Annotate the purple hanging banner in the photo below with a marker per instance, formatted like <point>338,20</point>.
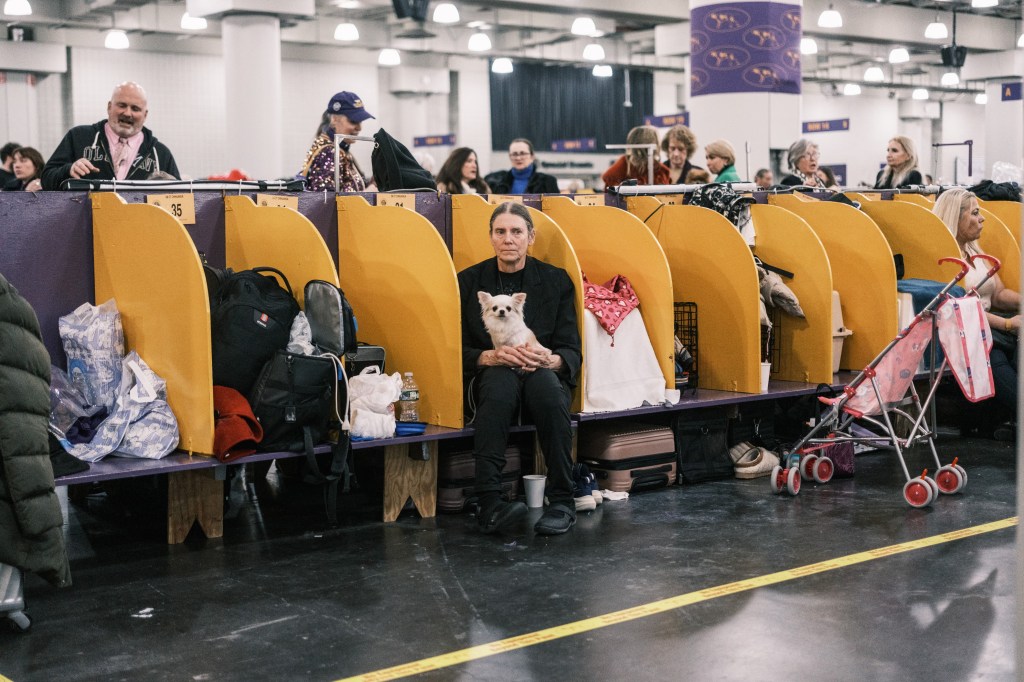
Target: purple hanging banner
<point>745,47</point>
<point>680,119</point>
<point>434,141</point>
<point>835,125</point>
<point>585,144</point>
<point>1010,91</point>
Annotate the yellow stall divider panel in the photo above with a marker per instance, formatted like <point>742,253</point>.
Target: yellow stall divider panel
<point>863,196</point>
<point>277,237</point>
<point>146,261</point>
<point>1007,211</point>
<point>917,234</point>
<point>644,208</point>
<point>863,273</point>
<point>471,244</point>
<point>713,267</point>
<point>918,199</point>
<point>397,273</point>
<point>789,199</point>
<point>609,241</point>
<point>996,239</point>
<point>785,240</point>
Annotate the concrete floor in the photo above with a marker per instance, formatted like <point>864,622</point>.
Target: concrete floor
<point>281,597</point>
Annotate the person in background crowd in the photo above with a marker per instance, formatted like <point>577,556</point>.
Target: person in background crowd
<point>500,380</point>
<point>928,180</point>
<point>722,161</point>
<point>28,165</point>
<point>523,178</point>
<point>900,165</point>
<point>344,115</point>
<point>697,176</point>
<point>119,148</point>
<point>802,160</point>
<point>679,145</point>
<point>959,211</point>
<point>764,178</point>
<point>633,164</point>
<point>460,174</point>
<point>6,159</point>
<point>827,177</point>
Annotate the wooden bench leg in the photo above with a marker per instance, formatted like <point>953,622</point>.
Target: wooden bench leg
<point>405,478</point>
<point>194,496</point>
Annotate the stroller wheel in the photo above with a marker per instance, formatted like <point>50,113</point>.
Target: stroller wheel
<point>963,475</point>
<point>793,481</point>
<point>917,493</point>
<point>949,480</point>
<point>807,467</point>
<point>777,479</point>
<point>933,485</point>
<point>823,470</point>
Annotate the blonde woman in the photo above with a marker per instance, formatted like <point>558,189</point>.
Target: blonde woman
<point>959,211</point>
<point>900,165</point>
<point>721,160</point>
<point>633,164</point>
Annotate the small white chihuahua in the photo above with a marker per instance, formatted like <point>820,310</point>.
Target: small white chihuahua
<point>503,320</point>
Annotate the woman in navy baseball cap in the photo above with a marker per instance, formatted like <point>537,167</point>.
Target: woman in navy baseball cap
<point>344,115</point>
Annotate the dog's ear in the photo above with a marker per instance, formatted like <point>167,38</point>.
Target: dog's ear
<point>483,297</point>
<point>519,299</point>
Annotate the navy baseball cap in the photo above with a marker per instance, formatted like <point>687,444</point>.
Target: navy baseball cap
<point>349,104</point>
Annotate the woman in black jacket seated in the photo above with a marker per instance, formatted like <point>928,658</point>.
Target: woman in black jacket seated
<point>28,166</point>
<point>802,160</point>
<point>523,178</point>
<point>900,165</point>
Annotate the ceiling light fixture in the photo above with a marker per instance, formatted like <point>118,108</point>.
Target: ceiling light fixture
<point>593,52</point>
<point>919,93</point>
<point>446,13</point>
<point>501,65</point>
<point>981,98</point>
<point>950,79</point>
<point>17,8</point>
<point>389,56</point>
<point>583,26</point>
<point>874,74</point>
<point>830,18</point>
<point>851,89</point>
<point>899,55</point>
<point>982,4</point>
<point>479,42</point>
<point>346,32</point>
<point>603,71</point>
<point>936,30</point>
<point>1020,41</point>
<point>808,46</point>
<point>116,40</point>
<point>191,23</point>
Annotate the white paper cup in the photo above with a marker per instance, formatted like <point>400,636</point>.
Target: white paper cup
<point>534,484</point>
<point>766,370</point>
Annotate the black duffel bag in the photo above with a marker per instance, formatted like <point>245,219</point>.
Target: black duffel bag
<point>250,318</point>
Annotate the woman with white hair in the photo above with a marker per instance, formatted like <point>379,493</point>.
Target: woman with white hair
<point>900,165</point>
<point>802,160</point>
<point>959,211</point>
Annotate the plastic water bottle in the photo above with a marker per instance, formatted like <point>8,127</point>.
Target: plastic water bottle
<point>409,402</point>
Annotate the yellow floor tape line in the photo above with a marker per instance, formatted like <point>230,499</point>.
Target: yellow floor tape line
<point>560,631</point>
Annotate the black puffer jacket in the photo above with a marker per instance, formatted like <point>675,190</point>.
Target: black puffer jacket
<point>31,535</point>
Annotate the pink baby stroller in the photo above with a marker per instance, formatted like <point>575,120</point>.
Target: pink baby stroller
<point>876,395</point>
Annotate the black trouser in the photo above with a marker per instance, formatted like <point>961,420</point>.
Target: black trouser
<point>498,393</point>
<point>1004,375</point>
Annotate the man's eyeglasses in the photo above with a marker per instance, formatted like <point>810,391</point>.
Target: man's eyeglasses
<point>519,153</point>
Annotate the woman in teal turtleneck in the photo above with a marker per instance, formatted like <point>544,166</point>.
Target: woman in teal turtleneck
<point>523,178</point>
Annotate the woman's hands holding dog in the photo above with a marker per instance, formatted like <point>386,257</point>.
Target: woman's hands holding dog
<point>522,357</point>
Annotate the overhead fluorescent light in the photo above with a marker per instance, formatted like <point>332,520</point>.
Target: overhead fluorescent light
<point>116,40</point>
<point>981,98</point>
<point>898,55</point>
<point>982,4</point>
<point>919,93</point>
<point>874,74</point>
<point>583,26</point>
<point>389,56</point>
<point>593,52</point>
<point>446,13</point>
<point>479,42</point>
<point>346,31</point>
<point>17,8</point>
<point>1020,40</point>
<point>950,79</point>
<point>851,89</point>
<point>191,23</point>
<point>603,71</point>
<point>808,46</point>
<point>936,30</point>
<point>501,65</point>
<point>830,18</point>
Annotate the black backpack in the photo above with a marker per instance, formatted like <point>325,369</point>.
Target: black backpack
<point>250,318</point>
<point>332,323</point>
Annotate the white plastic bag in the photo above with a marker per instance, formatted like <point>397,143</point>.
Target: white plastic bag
<point>94,343</point>
<point>372,398</point>
<point>67,404</point>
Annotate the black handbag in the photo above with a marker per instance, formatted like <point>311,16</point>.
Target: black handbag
<point>296,400</point>
<point>701,450</point>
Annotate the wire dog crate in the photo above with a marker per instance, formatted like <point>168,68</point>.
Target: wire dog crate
<point>686,345</point>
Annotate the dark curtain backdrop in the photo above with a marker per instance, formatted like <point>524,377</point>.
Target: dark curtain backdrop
<point>545,103</point>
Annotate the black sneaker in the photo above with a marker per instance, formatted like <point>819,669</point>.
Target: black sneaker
<point>501,515</point>
<point>557,519</point>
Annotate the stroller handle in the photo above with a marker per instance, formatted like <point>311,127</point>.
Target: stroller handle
<point>965,267</point>
<point>991,259</point>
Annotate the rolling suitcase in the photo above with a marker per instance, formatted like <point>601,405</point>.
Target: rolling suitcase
<point>629,457</point>
<point>12,603</point>
<point>455,476</point>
